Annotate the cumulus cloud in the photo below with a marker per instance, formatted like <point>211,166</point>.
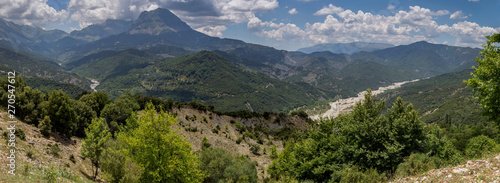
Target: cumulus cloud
<point>204,15</point>
<point>403,27</point>
<point>391,7</point>
<point>293,11</point>
<point>328,10</point>
<point>458,15</point>
<point>474,0</point>
<point>215,31</point>
<point>30,12</point>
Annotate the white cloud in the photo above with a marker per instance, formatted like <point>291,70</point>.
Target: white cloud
<point>458,15</point>
<point>293,11</point>
<point>328,10</point>
<point>474,0</point>
<point>215,31</point>
<point>391,7</point>
<point>30,12</point>
<point>401,28</point>
<point>203,15</point>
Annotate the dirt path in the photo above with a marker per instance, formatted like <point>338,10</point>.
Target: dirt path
<point>345,105</point>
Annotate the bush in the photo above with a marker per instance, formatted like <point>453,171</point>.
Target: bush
<point>479,146</point>
<point>238,141</point>
<point>54,150</point>
<point>354,174</point>
<point>204,143</point>
<point>20,134</point>
<point>417,163</point>
<point>223,166</point>
<point>255,148</point>
<point>46,126</point>
<point>72,158</point>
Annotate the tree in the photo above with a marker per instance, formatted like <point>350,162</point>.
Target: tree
<point>222,166</point>
<point>60,108</point>
<point>96,100</point>
<point>486,78</point>
<point>365,137</point>
<point>46,126</point>
<point>84,117</point>
<point>93,145</point>
<point>155,146</point>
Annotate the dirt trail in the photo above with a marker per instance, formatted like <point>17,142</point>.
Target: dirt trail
<point>345,105</point>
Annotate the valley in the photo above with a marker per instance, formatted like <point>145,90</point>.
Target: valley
<point>156,97</point>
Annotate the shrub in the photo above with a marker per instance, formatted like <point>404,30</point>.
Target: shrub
<point>417,163</point>
<point>255,148</point>
<point>274,153</point>
<point>46,126</point>
<point>238,141</point>
<point>204,143</point>
<point>20,134</point>
<point>354,174</point>
<point>72,158</point>
<point>223,166</point>
<point>54,150</point>
<point>480,146</point>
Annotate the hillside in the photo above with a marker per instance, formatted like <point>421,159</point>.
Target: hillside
<point>37,155</point>
<point>348,48</point>
<point>479,170</point>
<point>29,65</point>
<point>210,79</point>
<point>441,96</point>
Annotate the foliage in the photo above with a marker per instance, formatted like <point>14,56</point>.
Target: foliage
<point>93,144</point>
<point>116,166</point>
<point>205,144</point>
<point>485,78</point>
<point>155,146</point>
<point>223,166</point>
<point>479,146</point>
<point>45,126</point>
<point>60,108</point>
<point>274,153</point>
<point>365,137</point>
<point>84,117</point>
<point>417,163</point>
<point>255,148</point>
<point>96,100</point>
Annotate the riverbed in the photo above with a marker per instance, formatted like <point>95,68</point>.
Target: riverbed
<point>345,105</point>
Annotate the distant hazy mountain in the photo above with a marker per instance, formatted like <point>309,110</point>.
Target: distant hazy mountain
<point>27,38</point>
<point>425,58</point>
<point>98,31</point>
<point>348,48</point>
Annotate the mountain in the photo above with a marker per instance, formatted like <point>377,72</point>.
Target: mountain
<point>32,66</point>
<point>422,57</point>
<point>97,31</point>
<point>152,28</point>
<point>439,96</point>
<point>348,48</point>
<point>204,76</point>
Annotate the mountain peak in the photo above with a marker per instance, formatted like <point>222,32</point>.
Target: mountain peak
<point>157,21</point>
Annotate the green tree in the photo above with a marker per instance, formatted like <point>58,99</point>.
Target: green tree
<point>155,146</point>
<point>365,137</point>
<point>116,166</point>
<point>93,145</point>
<point>222,166</point>
<point>96,100</point>
<point>485,79</point>
<point>60,108</point>
<point>84,117</point>
<point>46,126</point>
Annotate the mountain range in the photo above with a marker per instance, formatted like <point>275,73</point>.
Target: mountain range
<point>348,48</point>
<point>159,54</point>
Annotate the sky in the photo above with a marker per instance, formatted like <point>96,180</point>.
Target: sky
<point>285,24</point>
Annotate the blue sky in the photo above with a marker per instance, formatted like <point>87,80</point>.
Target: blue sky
<point>290,24</point>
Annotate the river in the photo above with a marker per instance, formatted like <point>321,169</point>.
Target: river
<point>344,105</point>
<point>93,84</point>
